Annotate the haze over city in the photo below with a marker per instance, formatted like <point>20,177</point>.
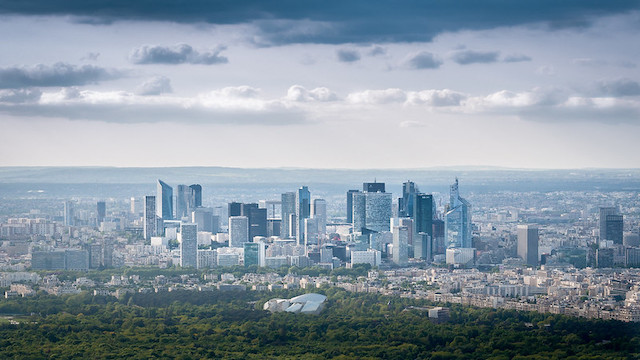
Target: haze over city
<point>534,84</point>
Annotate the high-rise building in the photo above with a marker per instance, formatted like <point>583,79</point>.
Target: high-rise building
<point>69,213</point>
<point>423,213</point>
<point>615,229</point>
<point>205,219</point>
<point>350,205</point>
<point>189,245</point>
<point>359,212</point>
<point>319,212</point>
<point>310,231</point>
<point>254,253</point>
<point>422,246</point>
<point>183,198</point>
<point>135,206</point>
<point>400,245</point>
<point>528,244</point>
<point>102,211</point>
<point>257,220</point>
<point>604,211</point>
<point>150,223</point>
<point>378,208</point>
<point>303,211</point>
<point>235,209</point>
<point>164,207</point>
<point>196,195</point>
<point>407,201</point>
<point>457,221</point>
<point>288,208</point>
<point>238,231</point>
<point>373,187</point>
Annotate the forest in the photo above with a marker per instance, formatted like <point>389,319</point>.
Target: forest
<point>232,325</point>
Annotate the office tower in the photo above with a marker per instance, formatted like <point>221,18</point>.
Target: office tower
<point>134,205</point>
<point>378,208</point>
<point>350,205</point>
<point>150,224</point>
<point>410,225</point>
<point>196,195</point>
<point>614,228</point>
<point>604,211</point>
<point>204,218</point>
<point>183,196</point>
<point>422,246</point>
<point>189,245</point>
<point>102,211</point>
<point>406,202</point>
<point>437,239</point>
<point>293,225</point>
<point>288,208</point>
<point>257,220</point>
<point>373,187</point>
<point>274,208</point>
<point>319,212</point>
<point>359,212</point>
<point>457,221</point>
<point>423,213</point>
<point>528,244</point>
<point>238,230</point>
<point>400,245</point>
<point>274,227</point>
<point>303,211</point>
<point>310,231</point>
<point>164,206</point>
<point>69,214</point>
<point>254,253</point>
<point>235,209</point>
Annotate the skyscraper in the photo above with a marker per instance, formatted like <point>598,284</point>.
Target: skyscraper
<point>400,245</point>
<point>102,211</point>
<point>350,205</point>
<point>457,221</point>
<point>528,244</point>
<point>288,208</point>
<point>150,224</point>
<point>378,210</point>
<point>303,211</point>
<point>183,196</point>
<point>406,202</point>
<point>423,213</point>
<point>611,225</point>
<point>205,219</point>
<point>196,195</point>
<point>164,208</point>
<point>189,245</point>
<point>69,213</point>
<point>238,230</point>
<point>373,187</point>
<point>359,212</point>
<point>257,220</point>
<point>319,212</point>
<point>235,209</point>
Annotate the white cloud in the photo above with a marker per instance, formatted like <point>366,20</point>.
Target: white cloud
<point>378,96</point>
<point>301,94</point>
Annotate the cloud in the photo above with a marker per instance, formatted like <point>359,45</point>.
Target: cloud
<point>589,62</point>
<point>377,50</point>
<point>19,96</point>
<point>466,57</point>
<point>436,98</point>
<point>91,56</point>
<point>346,55</point>
<point>155,86</point>
<point>375,97</point>
<point>234,105</point>
<point>337,21</point>
<point>177,54</point>
<point>618,87</point>
<point>59,74</point>
<point>516,58</point>
<point>301,94</point>
<point>423,60</point>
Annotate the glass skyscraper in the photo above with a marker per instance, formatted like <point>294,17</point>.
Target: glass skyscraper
<point>303,211</point>
<point>457,220</point>
<point>164,195</point>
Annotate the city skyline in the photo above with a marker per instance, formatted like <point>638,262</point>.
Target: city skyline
<point>476,84</point>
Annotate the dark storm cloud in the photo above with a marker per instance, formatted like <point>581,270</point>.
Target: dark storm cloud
<point>59,74</point>
<point>346,55</point>
<point>466,57</point>
<point>357,21</point>
<point>423,60</point>
<point>177,54</point>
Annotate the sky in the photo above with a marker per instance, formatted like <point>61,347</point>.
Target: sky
<point>320,84</point>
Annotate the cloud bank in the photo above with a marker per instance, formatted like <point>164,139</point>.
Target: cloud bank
<point>177,54</point>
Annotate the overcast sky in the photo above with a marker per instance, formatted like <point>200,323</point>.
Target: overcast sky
<point>322,84</point>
